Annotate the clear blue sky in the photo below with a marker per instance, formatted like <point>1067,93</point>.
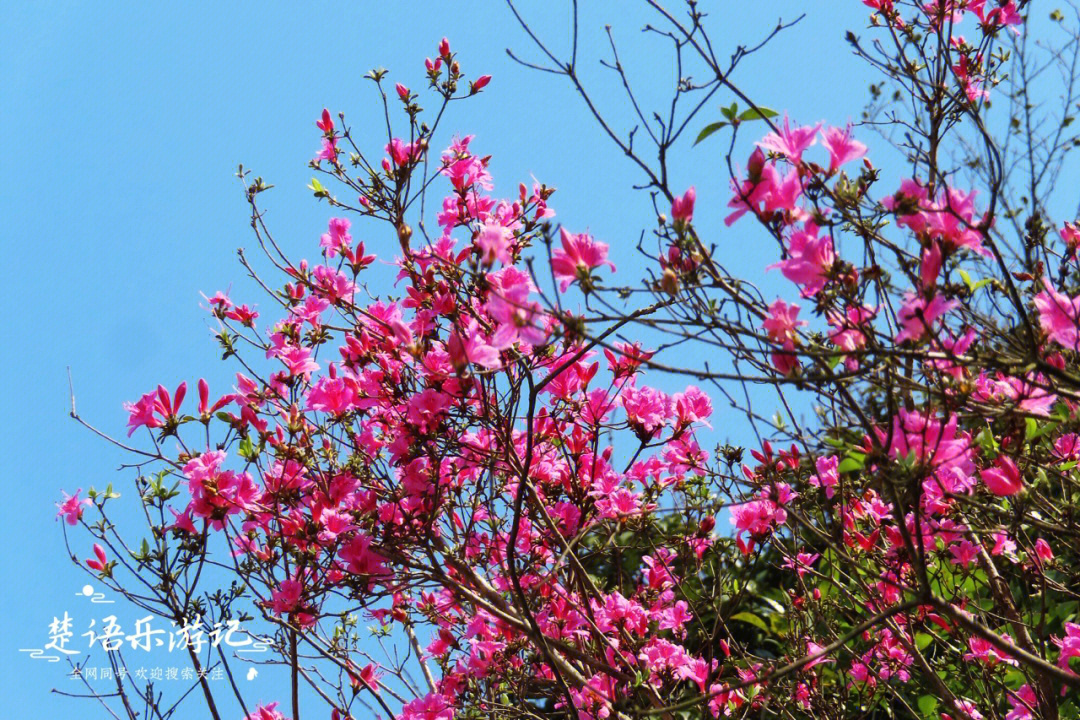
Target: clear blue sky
<point>121,126</point>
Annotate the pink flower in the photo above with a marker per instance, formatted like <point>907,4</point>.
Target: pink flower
<point>692,405</point>
<point>298,359</point>
<point>1059,316</point>
<point>334,395</point>
<point>1067,447</point>
<point>790,143</point>
<point>758,518</point>
<point>1005,15</point>
<point>266,712</point>
<point>983,651</point>
<point>812,649</point>
<point>1070,233</point>
<point>1027,396</point>
<point>809,258</point>
<point>934,444</point>
<point>287,597</point>
<point>469,345</point>
<point>918,315</point>
<point>827,475</point>
<point>682,208</point>
<point>328,151</point>
<point>1003,545</point>
<point>337,238</point>
<point>782,323</point>
<point>848,328</point>
<point>403,153</point>
<point>360,559</point>
<point>801,563</point>
<point>72,508</point>
<point>1023,702</point>
<point>430,707</point>
<point>647,409</point>
<point>577,257</point>
<point>786,359</point>
<point>841,146</point>
<point>1070,644</point>
<point>141,413</point>
<point>495,241</point>
<point>618,504</point>
<point>963,552</point>
<point>509,306</point>
<point>1004,478</point>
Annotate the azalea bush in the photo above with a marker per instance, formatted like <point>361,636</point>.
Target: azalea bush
<point>491,467</point>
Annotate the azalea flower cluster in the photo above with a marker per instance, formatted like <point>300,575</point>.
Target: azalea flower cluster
<point>505,486</point>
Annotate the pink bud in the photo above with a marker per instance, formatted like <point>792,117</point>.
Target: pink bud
<point>402,91</point>
<point>178,397</point>
<point>1004,478</point>
<point>164,403</point>
<point>682,208</point>
<point>326,124</point>
<point>1043,551</point>
<point>444,48</point>
<point>204,395</point>
<point>755,165</point>
<point>931,265</point>
<point>101,561</point>
<point>481,83</point>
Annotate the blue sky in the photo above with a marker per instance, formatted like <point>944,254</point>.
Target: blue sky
<point>121,127</point>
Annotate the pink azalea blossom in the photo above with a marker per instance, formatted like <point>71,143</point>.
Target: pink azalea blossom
<point>1059,316</point>
<point>782,323</point>
<point>919,315</point>
<point>841,146</point>
<point>809,258</point>
<point>1023,701</point>
<point>72,507</point>
<point>337,238</point>
<point>577,258</point>
<point>1070,644</point>
<point>266,712</point>
<point>791,143</point>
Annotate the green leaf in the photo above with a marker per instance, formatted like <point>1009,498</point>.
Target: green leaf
<point>1046,427</point>
<point>853,462</point>
<point>731,113</point>
<point>1031,428</point>
<point>758,113</point>
<point>317,187</point>
<point>927,705</point>
<point>751,619</point>
<point>967,280</point>
<point>972,285</point>
<point>922,640</point>
<point>709,130</point>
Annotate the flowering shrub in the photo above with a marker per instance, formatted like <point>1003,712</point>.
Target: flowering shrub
<point>505,486</point>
